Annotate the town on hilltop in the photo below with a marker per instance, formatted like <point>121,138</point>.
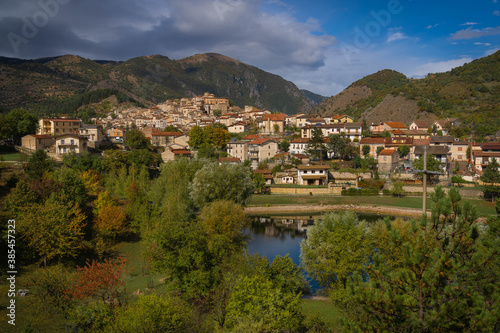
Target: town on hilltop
<point>269,140</point>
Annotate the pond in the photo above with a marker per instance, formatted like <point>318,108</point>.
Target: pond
<point>280,235</point>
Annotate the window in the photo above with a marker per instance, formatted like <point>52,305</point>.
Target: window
<point>72,141</point>
<point>460,148</point>
<point>62,141</point>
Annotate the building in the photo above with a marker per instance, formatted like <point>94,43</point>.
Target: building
<point>374,144</point>
<point>37,141</point>
<point>116,134</point>
<point>298,146</point>
<point>312,174</point>
<point>56,127</point>
<point>70,143</point>
<point>239,127</point>
<point>419,125</point>
<point>459,151</point>
<point>388,160</point>
<point>261,149</point>
<point>238,149</point>
<point>93,133</point>
<point>273,123</point>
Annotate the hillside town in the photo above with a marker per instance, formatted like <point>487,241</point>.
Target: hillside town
<point>266,139</point>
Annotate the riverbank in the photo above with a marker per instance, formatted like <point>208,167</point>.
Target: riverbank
<point>373,209</point>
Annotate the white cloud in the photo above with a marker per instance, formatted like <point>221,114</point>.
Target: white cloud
<point>490,52</point>
<point>430,26</point>
<point>496,13</point>
<point>469,23</point>
<point>438,67</point>
<point>475,33</point>
<point>395,34</point>
<point>484,44</point>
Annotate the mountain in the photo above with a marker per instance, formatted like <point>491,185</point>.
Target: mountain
<point>57,84</point>
<point>314,98</point>
<point>470,92</point>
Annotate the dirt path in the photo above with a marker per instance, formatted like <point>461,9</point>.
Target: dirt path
<point>375,209</point>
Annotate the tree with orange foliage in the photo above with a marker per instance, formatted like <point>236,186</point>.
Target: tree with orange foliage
<point>109,221</point>
<point>101,281</point>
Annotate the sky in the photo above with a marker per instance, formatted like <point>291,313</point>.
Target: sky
<point>322,46</point>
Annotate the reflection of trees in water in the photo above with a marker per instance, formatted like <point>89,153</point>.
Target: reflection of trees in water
<point>281,226</point>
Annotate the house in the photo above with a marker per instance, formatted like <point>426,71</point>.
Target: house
<point>442,140</point>
<point>273,123</point>
<point>261,149</point>
<point>341,119</point>
<point>55,127</point>
<point>304,159</point>
<point>441,153</point>
<point>374,144</point>
<point>312,174</point>
<point>171,154</point>
<point>238,149</point>
<point>416,134</point>
<point>93,133</point>
<point>268,175</point>
<point>394,125</point>
<point>388,160</point>
<point>419,125</point>
<point>116,134</point>
<point>239,127</point>
<point>37,141</point>
<point>164,139</point>
<point>351,131</point>
<point>298,146</point>
<point>459,151</point>
<point>68,143</point>
<point>482,159</point>
<point>417,143</point>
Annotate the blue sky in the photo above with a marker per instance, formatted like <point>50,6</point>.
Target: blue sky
<point>322,46</point>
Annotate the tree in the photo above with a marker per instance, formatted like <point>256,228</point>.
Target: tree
<point>379,149</point>
<point>136,140</point>
<point>52,230</point>
<point>259,182</point>
<point>196,136</point>
<point>226,181</point>
<point>109,222</point>
<point>366,150</point>
<point>315,147</point>
<point>101,281</point>
<point>397,188</point>
<point>336,247</point>
<point>153,313</point>
<point>337,145</point>
<point>142,157</point>
<point>432,165</point>
<point>207,151</point>
<point>491,177</point>
<point>284,145</point>
<point>403,150</point>
<point>82,162</point>
<point>446,280</point>
<point>38,164</point>
<point>21,123</point>
<point>385,134</point>
<point>172,128</point>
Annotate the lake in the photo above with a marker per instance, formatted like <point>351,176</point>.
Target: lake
<point>279,235</point>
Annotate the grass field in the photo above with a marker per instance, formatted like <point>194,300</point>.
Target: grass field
<point>484,208</point>
<point>324,309</point>
<point>13,157</point>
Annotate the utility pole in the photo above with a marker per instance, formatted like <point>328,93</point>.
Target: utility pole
<point>424,195</point>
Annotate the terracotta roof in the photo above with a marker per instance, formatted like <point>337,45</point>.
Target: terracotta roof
<point>300,140</point>
<point>313,167</point>
<point>387,152</point>
<point>421,142</point>
<point>442,139</point>
<point>433,150</point>
<point>421,123</point>
<point>40,136</point>
<point>398,131</point>
<point>181,151</point>
<point>371,141</point>
<point>167,134</point>
<point>486,154</point>
<point>64,119</point>
<point>395,124</point>
<point>300,156</point>
<point>229,159</point>
<point>252,137</point>
<point>260,141</point>
<point>275,117</point>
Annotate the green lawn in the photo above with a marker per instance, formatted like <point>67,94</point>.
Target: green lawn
<point>18,157</point>
<point>484,208</point>
<point>324,309</point>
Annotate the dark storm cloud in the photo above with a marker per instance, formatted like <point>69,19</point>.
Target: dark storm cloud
<point>120,30</point>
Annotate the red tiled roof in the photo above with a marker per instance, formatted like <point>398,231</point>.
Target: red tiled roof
<point>275,117</point>
<point>372,141</point>
<point>260,141</point>
<point>421,123</point>
<point>395,124</point>
<point>300,140</point>
<point>300,156</point>
<point>64,119</point>
<point>41,136</point>
<point>387,152</point>
<point>251,137</point>
<point>181,151</point>
<point>167,133</point>
<point>421,142</point>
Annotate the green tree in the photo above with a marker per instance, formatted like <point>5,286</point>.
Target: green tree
<point>336,247</point>
<point>385,134</point>
<point>446,280</point>
<point>365,149</point>
<point>82,162</point>
<point>226,181</point>
<point>403,151</point>
<point>196,137</point>
<point>207,151</point>
<point>52,230</point>
<point>136,140</point>
<point>432,165</point>
<point>491,176</point>
<point>337,145</point>
<point>172,128</point>
<point>21,123</point>
<point>38,164</point>
<point>259,182</point>
<point>284,145</point>
<point>315,147</point>
<point>397,189</point>
<point>379,149</point>
<point>153,313</point>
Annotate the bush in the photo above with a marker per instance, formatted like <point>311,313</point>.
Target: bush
<point>386,192</point>
<point>371,184</point>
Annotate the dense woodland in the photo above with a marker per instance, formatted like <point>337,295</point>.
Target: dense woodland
<point>434,274</point>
